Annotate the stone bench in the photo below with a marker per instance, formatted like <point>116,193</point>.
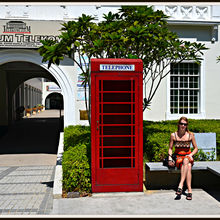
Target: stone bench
<point>205,174</point>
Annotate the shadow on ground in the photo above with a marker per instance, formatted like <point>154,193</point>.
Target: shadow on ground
<point>33,135</point>
<point>214,192</point>
<point>48,184</point>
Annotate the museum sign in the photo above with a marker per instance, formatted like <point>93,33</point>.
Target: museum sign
<point>26,33</point>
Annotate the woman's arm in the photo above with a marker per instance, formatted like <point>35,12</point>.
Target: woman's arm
<point>170,151</point>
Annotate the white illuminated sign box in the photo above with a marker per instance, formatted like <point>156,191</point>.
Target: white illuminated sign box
<point>116,67</point>
<point>53,88</point>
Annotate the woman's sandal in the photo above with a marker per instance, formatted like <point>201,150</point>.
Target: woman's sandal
<point>189,196</point>
<point>179,191</point>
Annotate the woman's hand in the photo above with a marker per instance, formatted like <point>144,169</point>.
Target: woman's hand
<point>190,157</point>
<point>171,163</point>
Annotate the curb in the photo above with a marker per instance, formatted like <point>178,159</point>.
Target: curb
<point>57,188</point>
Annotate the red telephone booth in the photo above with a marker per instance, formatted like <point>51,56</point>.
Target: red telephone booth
<point>117,125</point>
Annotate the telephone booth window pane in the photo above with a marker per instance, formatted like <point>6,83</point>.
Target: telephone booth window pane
<point>117,119</point>
<point>117,108</point>
<point>117,130</point>
<point>117,97</point>
<point>100,141</point>
<point>116,163</point>
<point>116,152</point>
<point>116,85</point>
<point>117,141</point>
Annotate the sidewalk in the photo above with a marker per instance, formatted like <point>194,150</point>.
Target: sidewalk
<point>155,203</point>
<point>26,190</point>
<point>52,113</point>
<point>27,165</point>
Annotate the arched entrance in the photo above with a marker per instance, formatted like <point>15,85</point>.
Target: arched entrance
<point>61,77</point>
<point>54,101</point>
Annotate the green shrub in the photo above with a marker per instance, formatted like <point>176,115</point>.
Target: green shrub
<point>156,139</point>
<point>76,169</point>
<point>157,135</point>
<point>202,156</point>
<point>77,159</point>
<point>74,135</point>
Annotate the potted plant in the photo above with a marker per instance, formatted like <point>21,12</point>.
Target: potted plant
<point>39,108</point>
<point>35,110</point>
<point>28,111</point>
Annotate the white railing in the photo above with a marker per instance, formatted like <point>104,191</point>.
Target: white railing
<point>191,12</point>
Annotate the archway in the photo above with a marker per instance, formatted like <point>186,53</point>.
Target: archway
<point>54,101</point>
<point>62,79</point>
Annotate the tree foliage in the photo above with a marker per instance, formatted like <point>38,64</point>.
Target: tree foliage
<point>132,32</point>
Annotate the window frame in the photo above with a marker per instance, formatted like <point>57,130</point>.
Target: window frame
<point>201,110</point>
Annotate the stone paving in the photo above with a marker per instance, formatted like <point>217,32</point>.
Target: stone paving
<point>27,165</point>
<point>26,190</point>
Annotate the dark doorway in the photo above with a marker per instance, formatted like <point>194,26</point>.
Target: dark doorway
<point>34,134</point>
<point>54,101</point>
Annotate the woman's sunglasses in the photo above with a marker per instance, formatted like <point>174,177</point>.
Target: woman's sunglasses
<point>185,124</point>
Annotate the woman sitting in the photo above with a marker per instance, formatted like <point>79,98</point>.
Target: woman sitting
<point>184,157</point>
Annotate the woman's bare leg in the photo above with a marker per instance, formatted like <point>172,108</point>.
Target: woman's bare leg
<point>184,171</point>
<point>189,178</point>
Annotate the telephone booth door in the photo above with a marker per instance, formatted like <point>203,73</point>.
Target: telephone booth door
<point>117,126</point>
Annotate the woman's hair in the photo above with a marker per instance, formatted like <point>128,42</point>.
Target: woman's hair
<point>185,119</point>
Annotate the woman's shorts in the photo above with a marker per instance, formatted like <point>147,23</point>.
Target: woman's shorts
<point>180,158</point>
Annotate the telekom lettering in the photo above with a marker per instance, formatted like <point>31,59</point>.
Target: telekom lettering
<point>118,67</point>
<point>27,34</point>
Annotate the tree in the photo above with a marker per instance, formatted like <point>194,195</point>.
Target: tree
<point>132,32</point>
<point>76,42</point>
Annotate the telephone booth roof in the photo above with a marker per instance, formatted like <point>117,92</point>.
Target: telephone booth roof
<point>95,64</point>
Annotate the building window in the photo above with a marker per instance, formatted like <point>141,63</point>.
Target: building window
<point>185,88</point>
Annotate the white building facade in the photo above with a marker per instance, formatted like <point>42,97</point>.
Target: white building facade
<point>189,90</point>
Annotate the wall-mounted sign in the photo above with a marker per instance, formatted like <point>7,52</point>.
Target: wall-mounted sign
<point>80,87</point>
<point>53,88</point>
<point>27,34</point>
<point>116,67</point>
<point>81,92</point>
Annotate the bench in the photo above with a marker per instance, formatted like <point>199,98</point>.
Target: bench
<point>204,174</point>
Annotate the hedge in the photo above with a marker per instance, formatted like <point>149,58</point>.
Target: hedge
<point>157,136</point>
<point>76,161</point>
<point>76,169</point>
<point>77,134</point>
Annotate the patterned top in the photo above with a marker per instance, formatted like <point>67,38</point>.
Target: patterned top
<point>182,147</point>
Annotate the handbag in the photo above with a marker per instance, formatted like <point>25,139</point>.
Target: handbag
<point>166,160</point>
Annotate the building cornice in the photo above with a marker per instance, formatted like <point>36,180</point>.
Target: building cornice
<point>193,22</point>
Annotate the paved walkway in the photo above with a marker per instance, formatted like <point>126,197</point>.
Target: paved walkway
<point>52,113</point>
<point>27,164</point>
<point>26,190</point>
<point>152,203</point>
